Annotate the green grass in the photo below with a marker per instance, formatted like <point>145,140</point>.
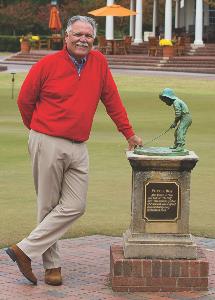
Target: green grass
<point>108,209</point>
<point>5,53</point>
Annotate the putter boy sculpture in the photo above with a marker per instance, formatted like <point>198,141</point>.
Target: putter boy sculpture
<point>158,242</point>
<point>182,117</point>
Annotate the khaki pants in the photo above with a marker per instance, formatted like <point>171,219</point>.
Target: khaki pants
<point>60,171</point>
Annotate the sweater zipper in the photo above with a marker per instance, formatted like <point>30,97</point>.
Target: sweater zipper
<point>75,69</point>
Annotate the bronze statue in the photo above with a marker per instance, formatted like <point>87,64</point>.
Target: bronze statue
<point>182,120</point>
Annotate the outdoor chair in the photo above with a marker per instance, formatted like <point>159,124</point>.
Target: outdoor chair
<point>180,46</point>
<point>56,41</point>
<point>153,46</point>
<point>44,44</point>
<point>120,47</point>
<point>35,45</point>
<point>127,41</point>
<point>104,46</point>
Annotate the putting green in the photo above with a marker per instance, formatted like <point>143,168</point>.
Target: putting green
<point>108,208</point>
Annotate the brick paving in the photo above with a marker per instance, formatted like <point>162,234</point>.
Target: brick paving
<point>85,270</point>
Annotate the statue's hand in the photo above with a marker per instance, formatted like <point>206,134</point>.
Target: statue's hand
<point>134,141</point>
<point>173,125</point>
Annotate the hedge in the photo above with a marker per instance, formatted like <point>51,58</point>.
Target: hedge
<point>9,43</point>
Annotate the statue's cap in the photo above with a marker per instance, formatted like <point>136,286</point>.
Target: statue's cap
<point>167,92</point>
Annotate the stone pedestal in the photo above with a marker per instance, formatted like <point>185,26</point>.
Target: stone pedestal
<point>160,207</point>
<point>159,231</point>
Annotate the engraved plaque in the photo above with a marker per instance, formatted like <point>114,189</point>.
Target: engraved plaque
<point>162,201</point>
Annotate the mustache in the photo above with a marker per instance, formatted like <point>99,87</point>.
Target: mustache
<point>81,44</point>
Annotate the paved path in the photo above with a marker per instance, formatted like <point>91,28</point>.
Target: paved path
<point>162,73</point>
<point>85,269</point>
<point>25,68</point>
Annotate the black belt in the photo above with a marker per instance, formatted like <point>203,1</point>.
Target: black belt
<point>76,142</point>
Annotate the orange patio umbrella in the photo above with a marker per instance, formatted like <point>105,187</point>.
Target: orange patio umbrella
<point>112,10</point>
<point>54,20</point>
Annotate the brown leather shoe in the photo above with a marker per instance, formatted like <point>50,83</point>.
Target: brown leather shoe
<point>23,262</point>
<point>53,276</point>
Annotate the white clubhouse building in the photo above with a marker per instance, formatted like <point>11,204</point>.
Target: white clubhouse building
<point>190,15</point>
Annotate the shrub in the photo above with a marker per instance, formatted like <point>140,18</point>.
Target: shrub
<point>9,43</point>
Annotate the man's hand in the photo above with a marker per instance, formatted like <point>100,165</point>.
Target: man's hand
<point>134,141</point>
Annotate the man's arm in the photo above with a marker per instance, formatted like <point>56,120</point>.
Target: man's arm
<point>115,109</point>
<point>29,94</point>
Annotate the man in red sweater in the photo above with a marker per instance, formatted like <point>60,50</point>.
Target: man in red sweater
<point>57,102</point>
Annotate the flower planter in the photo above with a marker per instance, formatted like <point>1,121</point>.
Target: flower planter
<point>25,47</point>
<point>168,51</point>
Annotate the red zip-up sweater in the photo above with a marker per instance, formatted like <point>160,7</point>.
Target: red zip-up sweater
<point>56,101</point>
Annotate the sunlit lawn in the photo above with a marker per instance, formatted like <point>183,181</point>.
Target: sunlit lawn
<point>108,210</point>
<point>5,53</point>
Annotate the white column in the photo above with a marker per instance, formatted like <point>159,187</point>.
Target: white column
<point>168,20</point>
<point>177,9</point>
<point>109,24</point>
<point>132,19</point>
<point>139,21</point>
<point>199,23</point>
<point>154,22</point>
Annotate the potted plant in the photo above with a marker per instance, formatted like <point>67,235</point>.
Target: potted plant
<point>25,43</point>
<point>167,45</point>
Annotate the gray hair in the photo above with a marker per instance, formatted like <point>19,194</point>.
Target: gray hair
<point>84,19</point>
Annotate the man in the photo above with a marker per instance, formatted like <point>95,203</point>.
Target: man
<point>57,101</point>
<point>183,118</point>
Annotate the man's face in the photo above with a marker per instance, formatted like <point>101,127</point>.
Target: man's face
<point>79,40</point>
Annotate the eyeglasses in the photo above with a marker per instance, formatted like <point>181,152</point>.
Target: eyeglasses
<point>79,35</point>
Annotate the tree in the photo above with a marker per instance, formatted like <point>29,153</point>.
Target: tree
<point>23,16</point>
<point>16,16</point>
<point>210,2</point>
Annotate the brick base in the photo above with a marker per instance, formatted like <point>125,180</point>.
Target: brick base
<point>145,275</point>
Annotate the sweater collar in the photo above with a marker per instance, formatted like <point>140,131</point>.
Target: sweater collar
<point>78,62</point>
<point>71,57</point>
